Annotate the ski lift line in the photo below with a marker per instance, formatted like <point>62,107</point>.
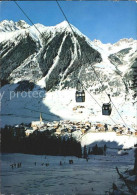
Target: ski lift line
<point>65,17</point>
<point>69,26</point>
<point>89,61</point>
<point>73,33</point>
<point>41,35</point>
<point>96,101</point>
<point>27,17</point>
<point>119,114</point>
<point>90,94</point>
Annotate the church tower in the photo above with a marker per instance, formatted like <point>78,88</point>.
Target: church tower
<point>40,118</point>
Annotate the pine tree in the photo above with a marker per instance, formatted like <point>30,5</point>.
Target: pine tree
<point>89,151</point>
<point>95,149</point>
<point>85,154</point>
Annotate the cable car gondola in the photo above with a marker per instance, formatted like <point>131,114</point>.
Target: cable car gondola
<point>80,96</point>
<point>80,93</point>
<point>106,108</point>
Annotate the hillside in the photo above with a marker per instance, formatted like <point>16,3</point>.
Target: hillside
<point>52,62</point>
<point>59,57</point>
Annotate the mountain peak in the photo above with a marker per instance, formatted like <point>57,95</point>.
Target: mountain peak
<point>22,24</point>
<point>63,24</point>
<point>97,41</point>
<point>124,41</point>
<point>9,25</point>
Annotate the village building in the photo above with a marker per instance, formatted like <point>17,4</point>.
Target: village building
<point>93,128</point>
<point>58,131</point>
<point>119,132</point>
<point>110,128</point>
<point>62,127</point>
<point>37,124</point>
<point>56,125</point>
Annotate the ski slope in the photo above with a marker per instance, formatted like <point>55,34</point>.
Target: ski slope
<point>93,177</point>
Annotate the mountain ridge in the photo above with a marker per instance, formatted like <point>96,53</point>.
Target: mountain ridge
<point>62,24</point>
<point>59,57</point>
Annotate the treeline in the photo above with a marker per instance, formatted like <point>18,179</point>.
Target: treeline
<point>38,143</point>
<point>95,150</point>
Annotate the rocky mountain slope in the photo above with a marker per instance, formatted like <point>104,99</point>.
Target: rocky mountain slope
<point>56,58</point>
<point>51,62</point>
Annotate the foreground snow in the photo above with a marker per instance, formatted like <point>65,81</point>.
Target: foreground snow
<point>93,177</point>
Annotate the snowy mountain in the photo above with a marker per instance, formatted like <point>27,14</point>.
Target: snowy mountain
<point>59,57</point>
<point>53,59</point>
<point>9,26</point>
<point>54,55</point>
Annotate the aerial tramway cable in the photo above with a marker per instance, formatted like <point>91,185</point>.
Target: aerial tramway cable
<point>27,16</point>
<point>42,34</point>
<point>89,61</point>
<point>86,56</point>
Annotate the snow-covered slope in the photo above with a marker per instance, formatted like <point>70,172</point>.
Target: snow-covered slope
<point>10,26</point>
<point>25,106</point>
<point>51,62</point>
<point>54,54</point>
<point>58,57</point>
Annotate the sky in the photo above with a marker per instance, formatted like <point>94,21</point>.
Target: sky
<point>107,21</point>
